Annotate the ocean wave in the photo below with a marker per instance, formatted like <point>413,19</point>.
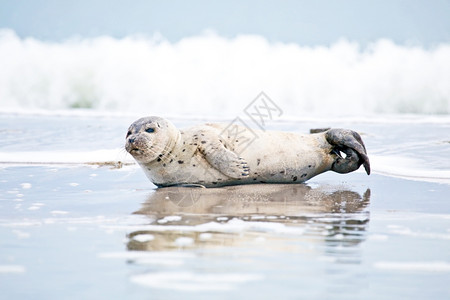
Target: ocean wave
<point>213,75</point>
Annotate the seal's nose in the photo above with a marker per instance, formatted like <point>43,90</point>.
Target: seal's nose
<point>131,140</point>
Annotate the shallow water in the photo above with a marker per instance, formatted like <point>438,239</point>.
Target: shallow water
<point>77,231</point>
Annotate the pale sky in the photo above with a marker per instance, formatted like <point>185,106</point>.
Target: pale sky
<point>318,22</point>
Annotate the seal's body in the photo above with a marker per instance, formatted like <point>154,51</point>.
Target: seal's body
<point>212,155</point>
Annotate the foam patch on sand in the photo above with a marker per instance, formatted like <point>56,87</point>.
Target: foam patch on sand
<point>102,156</point>
<point>407,168</point>
<point>232,226</point>
<point>433,266</point>
<point>150,258</point>
<point>119,222</point>
<point>12,269</point>
<point>189,281</point>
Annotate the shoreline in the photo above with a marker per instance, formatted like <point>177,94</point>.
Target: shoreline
<point>413,150</point>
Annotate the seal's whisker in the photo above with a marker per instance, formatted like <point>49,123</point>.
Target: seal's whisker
<point>122,154</point>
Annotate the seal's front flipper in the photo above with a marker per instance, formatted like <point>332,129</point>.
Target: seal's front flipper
<point>190,185</point>
<point>224,160</point>
<point>350,143</point>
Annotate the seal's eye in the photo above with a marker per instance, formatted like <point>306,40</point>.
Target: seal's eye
<point>150,130</point>
<point>128,133</point>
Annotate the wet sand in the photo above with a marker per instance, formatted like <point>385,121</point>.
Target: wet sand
<point>75,227</point>
<point>100,232</point>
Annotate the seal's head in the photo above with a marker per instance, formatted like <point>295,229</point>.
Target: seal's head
<point>150,138</point>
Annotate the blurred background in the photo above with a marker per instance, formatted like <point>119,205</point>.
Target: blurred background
<point>212,58</point>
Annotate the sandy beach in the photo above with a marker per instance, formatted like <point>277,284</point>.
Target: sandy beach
<point>72,225</point>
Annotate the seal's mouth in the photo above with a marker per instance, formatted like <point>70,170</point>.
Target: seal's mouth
<point>135,151</point>
<point>132,148</point>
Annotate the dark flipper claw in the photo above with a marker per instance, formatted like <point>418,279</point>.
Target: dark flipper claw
<point>351,144</point>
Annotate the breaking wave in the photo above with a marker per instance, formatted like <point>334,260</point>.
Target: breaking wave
<point>213,75</point>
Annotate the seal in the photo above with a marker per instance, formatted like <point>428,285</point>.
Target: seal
<point>208,155</point>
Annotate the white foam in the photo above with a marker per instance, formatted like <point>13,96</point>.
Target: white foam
<point>205,236</point>
<point>377,237</point>
<point>144,238</point>
<point>21,234</point>
<point>184,241</point>
<point>407,168</point>
<point>188,281</point>
<point>232,226</point>
<point>418,234</point>
<point>432,266</point>
<point>63,157</point>
<point>212,75</point>
<point>34,207</point>
<point>151,258</point>
<point>12,269</point>
<point>130,255</point>
<point>25,185</point>
<point>59,212</point>
<point>410,216</point>
<point>172,218</point>
<point>119,222</point>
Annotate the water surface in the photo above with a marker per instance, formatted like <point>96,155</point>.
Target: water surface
<point>73,230</point>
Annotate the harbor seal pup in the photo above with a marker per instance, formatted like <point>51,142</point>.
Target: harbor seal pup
<point>207,155</point>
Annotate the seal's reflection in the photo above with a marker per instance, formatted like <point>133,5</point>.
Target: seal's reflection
<point>178,214</point>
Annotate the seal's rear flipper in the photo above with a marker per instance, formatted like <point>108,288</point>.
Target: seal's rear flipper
<point>351,144</point>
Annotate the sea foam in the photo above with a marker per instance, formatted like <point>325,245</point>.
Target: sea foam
<point>213,75</point>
